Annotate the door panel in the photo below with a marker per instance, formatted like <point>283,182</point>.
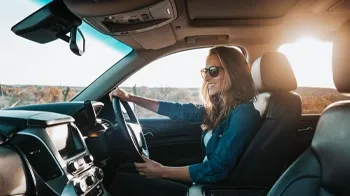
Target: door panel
<point>172,143</point>
<point>306,130</point>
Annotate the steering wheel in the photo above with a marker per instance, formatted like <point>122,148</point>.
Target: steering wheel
<point>130,132</point>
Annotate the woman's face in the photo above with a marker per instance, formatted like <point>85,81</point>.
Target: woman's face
<point>215,79</point>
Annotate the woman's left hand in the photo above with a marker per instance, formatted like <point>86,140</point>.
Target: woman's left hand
<point>150,168</point>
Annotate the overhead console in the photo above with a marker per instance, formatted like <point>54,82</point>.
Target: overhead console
<point>120,17</point>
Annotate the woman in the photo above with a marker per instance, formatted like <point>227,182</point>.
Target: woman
<point>229,121</point>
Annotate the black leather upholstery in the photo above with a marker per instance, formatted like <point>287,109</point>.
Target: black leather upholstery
<point>324,169</point>
<point>270,151</point>
<point>331,143</point>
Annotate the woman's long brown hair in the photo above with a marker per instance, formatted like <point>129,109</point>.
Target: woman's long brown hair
<point>237,87</point>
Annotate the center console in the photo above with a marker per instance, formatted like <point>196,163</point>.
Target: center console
<point>55,153</point>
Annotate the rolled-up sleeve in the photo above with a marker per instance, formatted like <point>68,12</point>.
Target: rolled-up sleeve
<point>244,121</point>
<point>187,112</point>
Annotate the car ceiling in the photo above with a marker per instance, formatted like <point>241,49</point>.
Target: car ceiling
<point>237,22</point>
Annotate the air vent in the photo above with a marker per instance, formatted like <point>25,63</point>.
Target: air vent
<point>40,159</point>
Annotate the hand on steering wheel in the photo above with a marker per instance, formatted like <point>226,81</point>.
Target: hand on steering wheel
<point>129,132</point>
<point>122,94</point>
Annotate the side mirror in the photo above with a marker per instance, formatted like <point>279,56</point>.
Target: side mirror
<point>77,41</point>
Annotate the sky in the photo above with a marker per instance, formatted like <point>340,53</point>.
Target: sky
<point>26,62</point>
<point>311,61</point>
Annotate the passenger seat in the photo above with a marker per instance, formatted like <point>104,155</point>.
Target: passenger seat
<point>324,168</point>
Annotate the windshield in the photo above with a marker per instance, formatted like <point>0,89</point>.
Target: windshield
<point>44,73</point>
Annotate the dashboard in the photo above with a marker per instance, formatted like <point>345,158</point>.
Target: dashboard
<point>50,143</point>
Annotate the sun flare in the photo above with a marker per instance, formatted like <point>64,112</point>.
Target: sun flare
<point>311,61</point>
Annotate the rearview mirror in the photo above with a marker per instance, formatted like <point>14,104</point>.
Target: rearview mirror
<point>77,41</point>
<point>51,22</point>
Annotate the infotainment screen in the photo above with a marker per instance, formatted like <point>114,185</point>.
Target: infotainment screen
<point>65,140</point>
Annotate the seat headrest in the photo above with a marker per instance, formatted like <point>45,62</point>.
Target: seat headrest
<point>273,73</point>
<point>331,143</point>
<point>341,59</point>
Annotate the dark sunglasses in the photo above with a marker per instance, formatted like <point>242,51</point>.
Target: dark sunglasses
<point>213,71</point>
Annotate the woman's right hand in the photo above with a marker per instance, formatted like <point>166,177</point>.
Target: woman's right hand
<point>122,94</point>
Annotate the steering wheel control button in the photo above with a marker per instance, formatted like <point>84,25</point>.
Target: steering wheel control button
<point>88,159</point>
<point>73,166</point>
<point>99,174</point>
<point>90,180</point>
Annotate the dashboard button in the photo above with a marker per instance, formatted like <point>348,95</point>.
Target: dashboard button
<point>89,180</point>
<point>88,159</point>
<point>73,166</point>
<point>80,187</point>
<point>99,174</point>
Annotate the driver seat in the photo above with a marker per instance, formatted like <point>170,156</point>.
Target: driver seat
<point>324,168</point>
<point>270,151</point>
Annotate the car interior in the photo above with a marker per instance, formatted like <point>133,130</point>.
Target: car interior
<point>280,111</point>
<point>75,147</point>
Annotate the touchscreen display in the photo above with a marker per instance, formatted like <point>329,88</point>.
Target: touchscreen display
<point>65,141</point>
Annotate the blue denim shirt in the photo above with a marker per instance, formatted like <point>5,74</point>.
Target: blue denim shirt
<point>227,143</point>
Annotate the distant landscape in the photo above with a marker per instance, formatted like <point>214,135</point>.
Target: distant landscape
<point>315,100</point>
<point>18,95</point>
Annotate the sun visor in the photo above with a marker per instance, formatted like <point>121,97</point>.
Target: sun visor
<point>238,9</point>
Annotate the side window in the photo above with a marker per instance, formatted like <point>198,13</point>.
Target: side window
<point>172,78</point>
<point>311,61</point>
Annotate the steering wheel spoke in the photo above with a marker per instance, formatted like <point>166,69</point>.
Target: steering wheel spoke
<point>130,132</point>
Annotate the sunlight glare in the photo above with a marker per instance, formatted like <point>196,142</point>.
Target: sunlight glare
<point>311,61</point>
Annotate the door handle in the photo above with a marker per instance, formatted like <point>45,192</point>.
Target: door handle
<point>306,129</point>
<point>148,134</point>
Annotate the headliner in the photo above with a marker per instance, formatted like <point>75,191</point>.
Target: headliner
<point>258,23</point>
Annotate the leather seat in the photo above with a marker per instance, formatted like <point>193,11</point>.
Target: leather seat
<point>324,168</point>
<point>269,153</point>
